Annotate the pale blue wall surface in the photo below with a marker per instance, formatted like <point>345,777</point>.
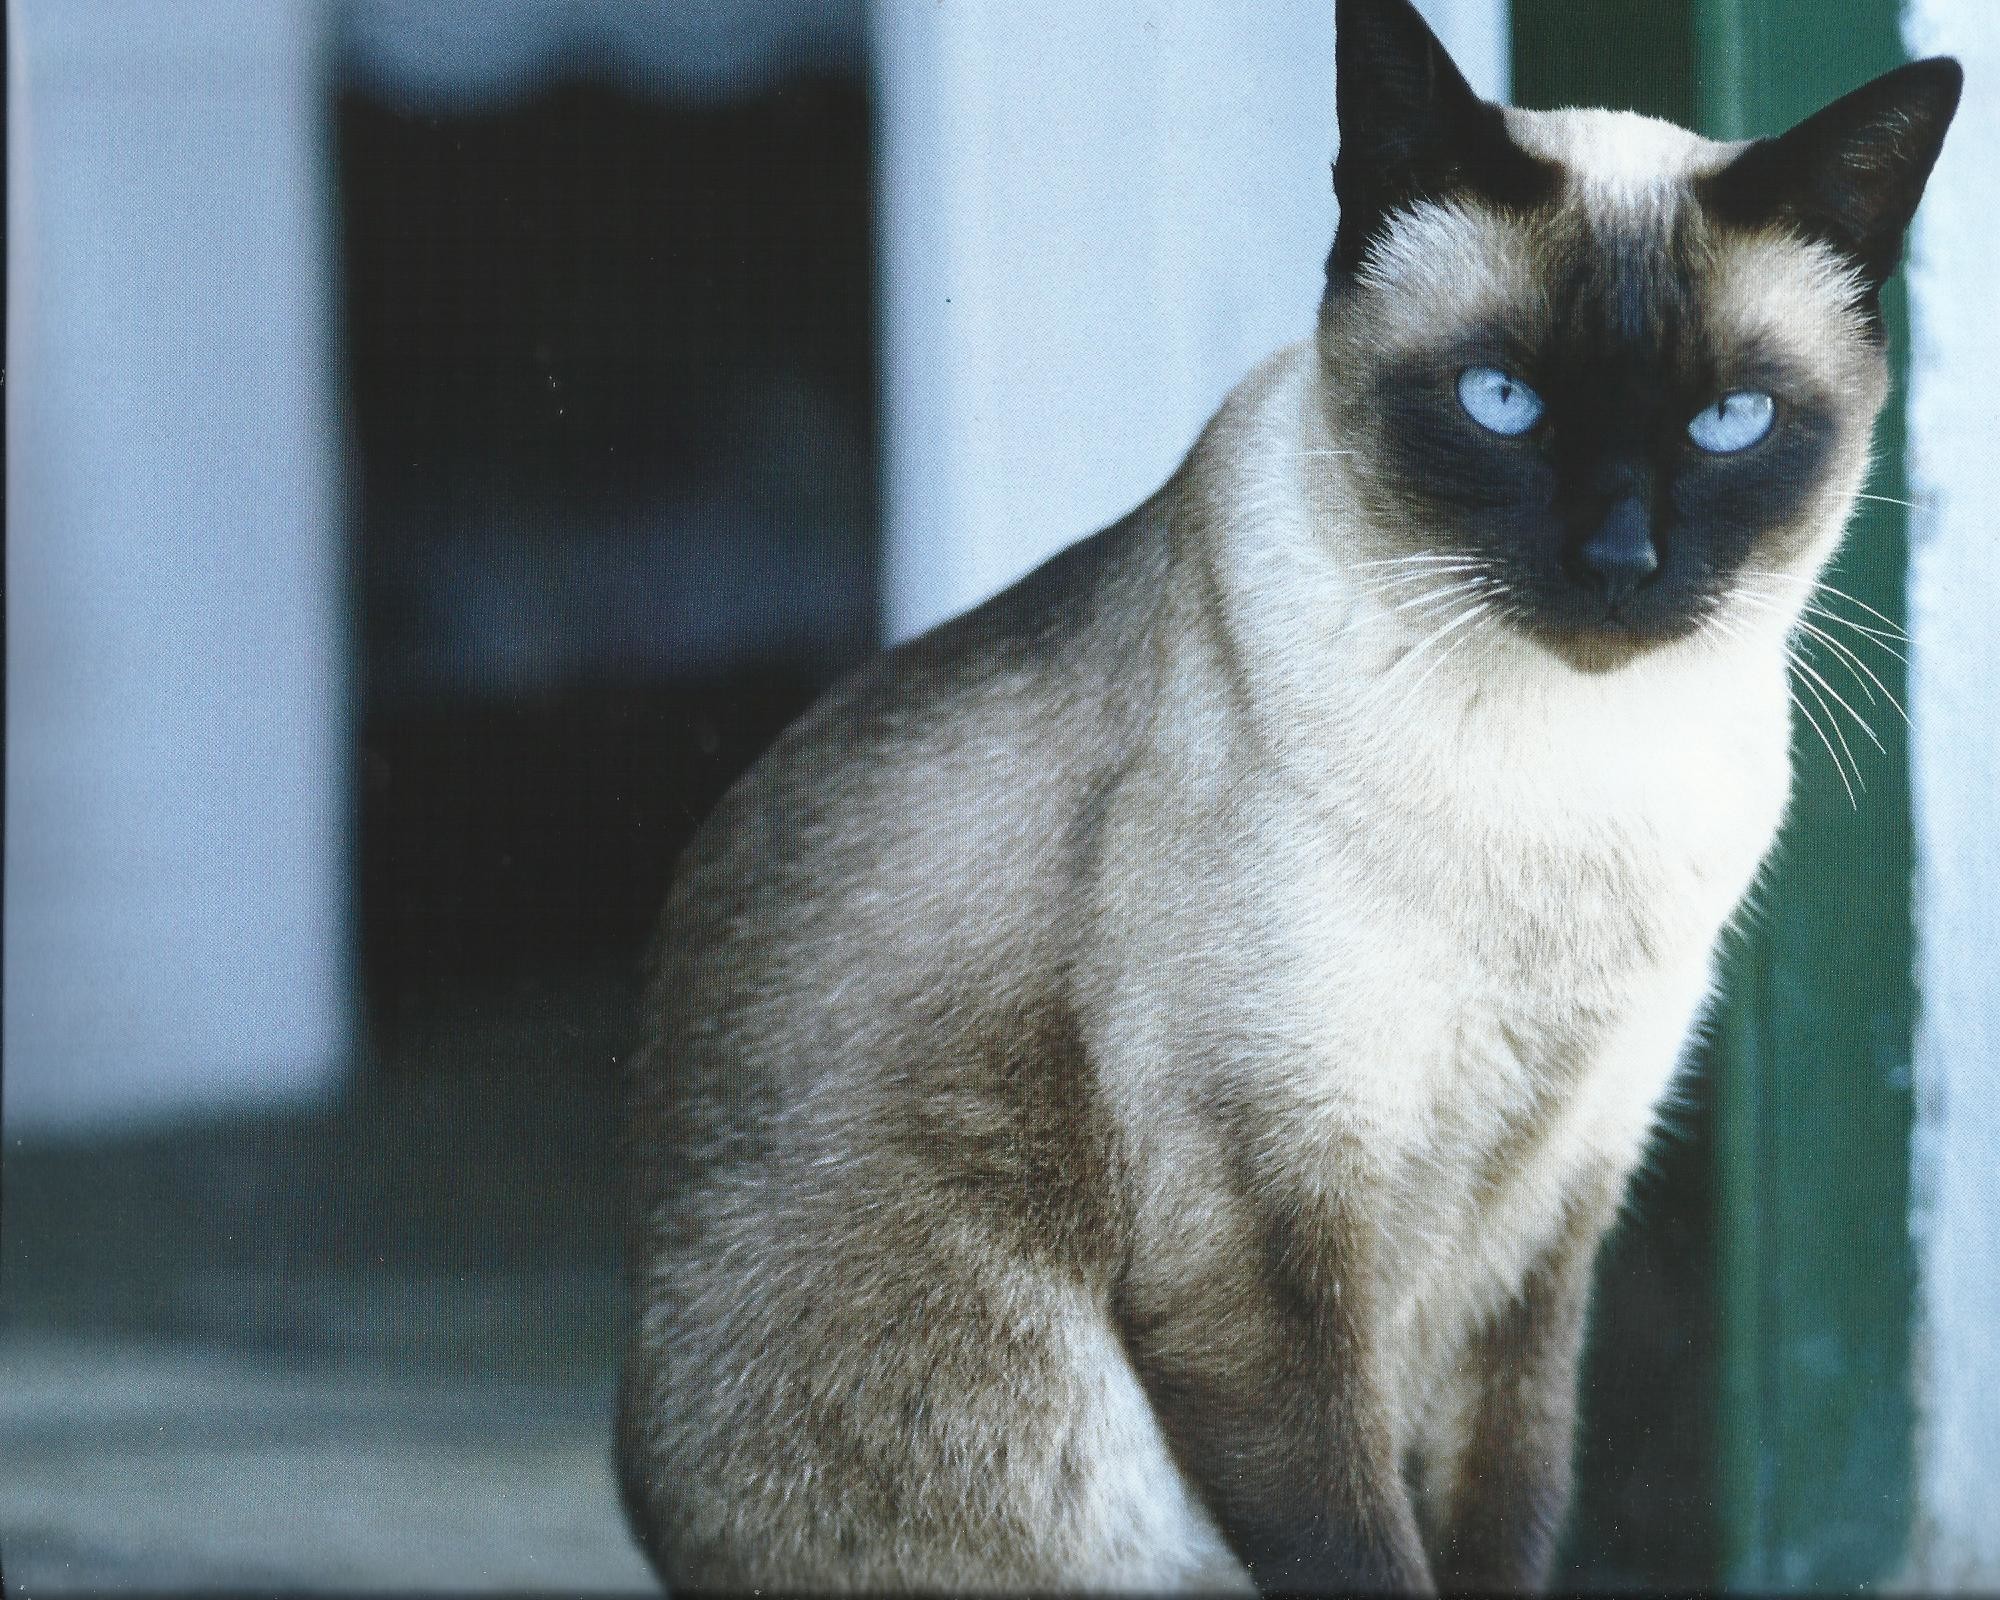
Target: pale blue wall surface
<point>176,672</point>
<point>1094,220</point>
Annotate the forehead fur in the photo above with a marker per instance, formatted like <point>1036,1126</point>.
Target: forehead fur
<point>1626,190</point>
<point>1441,265</point>
<point>1618,156</point>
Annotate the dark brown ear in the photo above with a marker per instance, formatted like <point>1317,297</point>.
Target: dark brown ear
<point>1411,128</point>
<point>1850,175</point>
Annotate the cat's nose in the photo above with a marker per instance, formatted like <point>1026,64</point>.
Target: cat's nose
<point>1619,557</point>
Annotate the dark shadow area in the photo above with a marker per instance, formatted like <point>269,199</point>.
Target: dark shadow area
<point>509,839</point>
<point>1629,55</point>
<point>610,392</point>
<point>1644,1516</point>
<point>612,388</point>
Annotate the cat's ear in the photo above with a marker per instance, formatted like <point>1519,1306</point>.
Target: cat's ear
<point>1411,128</point>
<point>1851,174</point>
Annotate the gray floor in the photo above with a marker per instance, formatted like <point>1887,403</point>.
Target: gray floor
<point>369,1348</point>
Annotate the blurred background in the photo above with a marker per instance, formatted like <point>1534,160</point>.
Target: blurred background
<point>446,443</point>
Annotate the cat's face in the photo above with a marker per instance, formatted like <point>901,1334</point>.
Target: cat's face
<point>1594,371</point>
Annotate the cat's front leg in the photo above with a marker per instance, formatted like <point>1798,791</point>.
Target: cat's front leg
<point>1510,1481</point>
<point>1258,1370</point>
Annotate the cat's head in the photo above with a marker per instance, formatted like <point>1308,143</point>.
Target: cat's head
<point>1597,370</point>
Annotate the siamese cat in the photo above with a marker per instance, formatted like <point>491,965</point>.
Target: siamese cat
<point>1140,1073</point>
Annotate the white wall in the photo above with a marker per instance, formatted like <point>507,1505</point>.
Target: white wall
<point>175,925</point>
<point>1094,220</point>
<point>1955,762</point>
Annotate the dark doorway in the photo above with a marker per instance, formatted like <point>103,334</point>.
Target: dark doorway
<point>612,389</point>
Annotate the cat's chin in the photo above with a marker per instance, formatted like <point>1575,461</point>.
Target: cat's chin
<point>1600,648</point>
<point>1593,636</point>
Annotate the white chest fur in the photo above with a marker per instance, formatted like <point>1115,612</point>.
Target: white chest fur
<point>1503,967</point>
<point>1499,878</point>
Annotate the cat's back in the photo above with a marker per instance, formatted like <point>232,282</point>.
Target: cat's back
<point>866,1109</point>
<point>900,861</point>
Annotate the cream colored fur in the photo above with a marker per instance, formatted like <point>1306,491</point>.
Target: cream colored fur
<point>1489,885</point>
<point>1432,907</point>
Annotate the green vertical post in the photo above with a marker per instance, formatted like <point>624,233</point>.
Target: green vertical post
<point>1815,1277</point>
<point>1643,1516</point>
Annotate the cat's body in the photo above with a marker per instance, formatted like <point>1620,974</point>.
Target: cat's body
<point>1143,1070</point>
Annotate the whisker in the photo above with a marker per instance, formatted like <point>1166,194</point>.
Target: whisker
<point>1478,608</point>
<point>1813,722</point>
<point>1386,591</point>
<point>1799,661</point>
<point>1856,667</point>
<point>1865,606</point>
<point>1814,684</point>
<point>1718,622</point>
<point>1448,592</point>
<point>1875,635</point>
<point>1889,500</point>
<point>1820,585</point>
<point>1414,560</point>
<point>1417,651</point>
<point>1845,749</point>
<point>1420,575</point>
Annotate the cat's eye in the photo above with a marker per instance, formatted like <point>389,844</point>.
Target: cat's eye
<point>1498,401</point>
<point>1735,422</point>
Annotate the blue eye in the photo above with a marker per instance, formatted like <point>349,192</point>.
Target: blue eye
<point>1735,422</point>
<point>1498,401</point>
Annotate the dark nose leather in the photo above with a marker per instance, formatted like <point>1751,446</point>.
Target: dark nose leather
<point>1619,557</point>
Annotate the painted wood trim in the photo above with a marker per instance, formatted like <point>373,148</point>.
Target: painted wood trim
<point>1815,1272</point>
